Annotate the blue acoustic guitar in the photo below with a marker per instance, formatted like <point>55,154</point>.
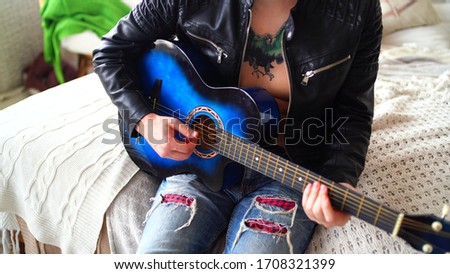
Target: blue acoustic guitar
<point>230,120</point>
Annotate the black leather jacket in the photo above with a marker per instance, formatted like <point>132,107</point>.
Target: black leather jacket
<point>332,49</point>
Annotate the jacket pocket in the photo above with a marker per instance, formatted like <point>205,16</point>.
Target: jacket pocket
<point>313,72</point>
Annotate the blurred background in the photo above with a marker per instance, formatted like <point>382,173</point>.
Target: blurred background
<point>23,24</point>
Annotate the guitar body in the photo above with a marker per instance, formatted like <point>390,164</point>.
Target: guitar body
<point>171,77</point>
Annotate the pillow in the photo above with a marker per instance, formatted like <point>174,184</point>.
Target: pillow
<point>443,10</point>
<point>431,37</point>
<point>402,14</point>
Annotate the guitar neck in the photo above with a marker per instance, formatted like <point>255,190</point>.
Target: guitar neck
<point>273,166</point>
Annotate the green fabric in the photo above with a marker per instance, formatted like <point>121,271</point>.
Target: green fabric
<point>61,18</point>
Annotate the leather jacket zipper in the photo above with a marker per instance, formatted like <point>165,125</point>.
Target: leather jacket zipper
<point>310,73</point>
<point>247,31</point>
<point>220,51</point>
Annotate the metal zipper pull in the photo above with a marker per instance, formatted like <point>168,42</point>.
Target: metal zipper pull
<point>220,52</point>
<point>306,77</point>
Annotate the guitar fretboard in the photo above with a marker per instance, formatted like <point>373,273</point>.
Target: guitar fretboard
<point>297,177</point>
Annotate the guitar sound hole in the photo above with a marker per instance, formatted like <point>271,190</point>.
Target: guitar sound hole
<point>207,123</point>
<point>206,127</point>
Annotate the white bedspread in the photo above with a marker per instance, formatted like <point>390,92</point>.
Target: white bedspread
<point>57,173</point>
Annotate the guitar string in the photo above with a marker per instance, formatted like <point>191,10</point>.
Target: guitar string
<point>406,221</point>
<point>392,217</point>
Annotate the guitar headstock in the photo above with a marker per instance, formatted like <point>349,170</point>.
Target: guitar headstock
<point>427,233</point>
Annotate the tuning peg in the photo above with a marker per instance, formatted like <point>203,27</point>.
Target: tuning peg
<point>445,211</point>
<point>427,248</point>
<point>437,226</point>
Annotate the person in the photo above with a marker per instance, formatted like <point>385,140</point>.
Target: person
<point>317,58</point>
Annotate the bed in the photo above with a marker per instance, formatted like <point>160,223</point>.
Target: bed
<point>68,186</point>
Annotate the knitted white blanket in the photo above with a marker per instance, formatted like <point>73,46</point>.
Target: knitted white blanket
<point>59,175</point>
<point>57,172</point>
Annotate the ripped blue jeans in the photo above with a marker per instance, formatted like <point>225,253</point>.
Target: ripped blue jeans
<point>264,216</point>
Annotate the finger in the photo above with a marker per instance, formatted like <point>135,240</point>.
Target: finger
<point>174,149</point>
<point>181,147</point>
<point>173,152</point>
<point>306,193</point>
<point>184,129</point>
<point>327,209</point>
<point>312,197</point>
<point>332,217</point>
<point>317,209</point>
<point>305,198</point>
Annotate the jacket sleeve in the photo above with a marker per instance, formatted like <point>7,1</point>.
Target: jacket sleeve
<point>343,160</point>
<point>113,59</point>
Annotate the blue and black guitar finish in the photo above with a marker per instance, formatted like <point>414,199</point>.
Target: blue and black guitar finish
<point>177,90</point>
<point>231,121</point>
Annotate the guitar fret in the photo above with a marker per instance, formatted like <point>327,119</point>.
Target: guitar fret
<point>306,180</point>
<point>218,143</point>
<point>260,156</point>
<point>235,148</point>
<point>230,145</point>
<point>267,164</point>
<point>295,177</point>
<point>240,153</point>
<point>276,167</point>
<point>284,173</point>
<point>246,153</point>
<point>226,143</point>
<point>380,207</point>
<point>331,188</point>
<point>360,206</point>
<point>344,199</point>
<point>254,158</point>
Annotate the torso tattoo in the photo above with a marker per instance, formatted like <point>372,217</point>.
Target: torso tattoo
<point>263,50</point>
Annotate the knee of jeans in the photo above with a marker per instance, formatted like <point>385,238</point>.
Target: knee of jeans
<point>266,226</point>
<point>275,205</point>
<point>270,215</point>
<point>273,215</point>
<point>175,200</point>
